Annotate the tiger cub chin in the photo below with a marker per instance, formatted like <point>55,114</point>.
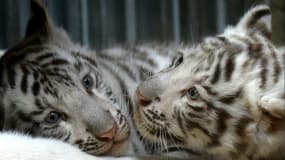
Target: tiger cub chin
<point>225,97</point>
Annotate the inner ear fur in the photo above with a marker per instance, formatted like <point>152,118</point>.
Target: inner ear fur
<point>257,19</point>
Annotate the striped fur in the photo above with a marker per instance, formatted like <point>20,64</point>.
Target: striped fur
<point>44,94</point>
<point>226,98</point>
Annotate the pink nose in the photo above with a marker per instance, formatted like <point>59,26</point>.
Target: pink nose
<point>141,100</point>
<point>109,135</point>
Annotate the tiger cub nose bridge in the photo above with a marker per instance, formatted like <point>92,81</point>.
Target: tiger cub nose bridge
<point>141,100</point>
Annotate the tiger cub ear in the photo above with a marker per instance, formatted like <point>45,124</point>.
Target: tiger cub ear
<point>38,23</point>
<point>257,19</point>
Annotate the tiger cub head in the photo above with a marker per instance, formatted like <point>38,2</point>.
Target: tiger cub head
<point>199,103</point>
<point>50,87</point>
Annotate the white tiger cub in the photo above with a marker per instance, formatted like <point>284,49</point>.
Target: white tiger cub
<point>225,98</point>
<point>52,88</point>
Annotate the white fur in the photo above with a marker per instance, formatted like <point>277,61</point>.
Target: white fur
<point>15,146</point>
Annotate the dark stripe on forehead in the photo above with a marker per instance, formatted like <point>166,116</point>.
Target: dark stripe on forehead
<point>127,70</point>
<point>210,91</point>
<point>24,81</point>
<point>86,58</point>
<point>216,75</point>
<point>55,62</point>
<point>11,75</point>
<point>229,68</point>
<point>142,55</point>
<point>36,88</point>
<point>44,56</point>
<point>13,57</point>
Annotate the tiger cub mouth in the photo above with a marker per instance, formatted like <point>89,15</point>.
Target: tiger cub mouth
<point>121,135</point>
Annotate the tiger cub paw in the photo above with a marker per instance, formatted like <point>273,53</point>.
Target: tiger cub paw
<point>272,106</point>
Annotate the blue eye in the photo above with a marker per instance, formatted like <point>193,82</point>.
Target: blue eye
<point>193,94</point>
<point>53,117</point>
<point>87,81</point>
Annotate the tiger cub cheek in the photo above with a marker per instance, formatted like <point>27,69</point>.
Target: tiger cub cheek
<point>197,139</point>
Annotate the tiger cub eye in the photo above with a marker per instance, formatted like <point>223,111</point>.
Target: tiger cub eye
<point>87,81</point>
<point>193,94</point>
<point>53,117</point>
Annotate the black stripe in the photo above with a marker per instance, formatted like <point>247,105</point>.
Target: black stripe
<point>229,99</point>
<point>177,139</point>
<point>36,88</point>
<point>191,124</point>
<point>210,91</point>
<point>86,58</point>
<point>39,104</point>
<point>179,120</point>
<point>241,126</point>
<point>11,61</point>
<point>223,116</point>
<point>55,62</point>
<point>24,81</point>
<point>156,115</point>
<point>196,108</point>
<point>180,149</point>
<point>263,73</point>
<point>229,68</point>
<point>216,75</point>
<point>11,74</point>
<point>223,39</point>
<point>16,55</point>
<point>150,118</point>
<point>44,56</point>
<point>221,122</point>
<point>277,68</point>
<point>143,56</point>
<point>24,117</point>
<point>191,115</point>
<point>123,87</point>
<point>36,75</point>
<point>126,69</point>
